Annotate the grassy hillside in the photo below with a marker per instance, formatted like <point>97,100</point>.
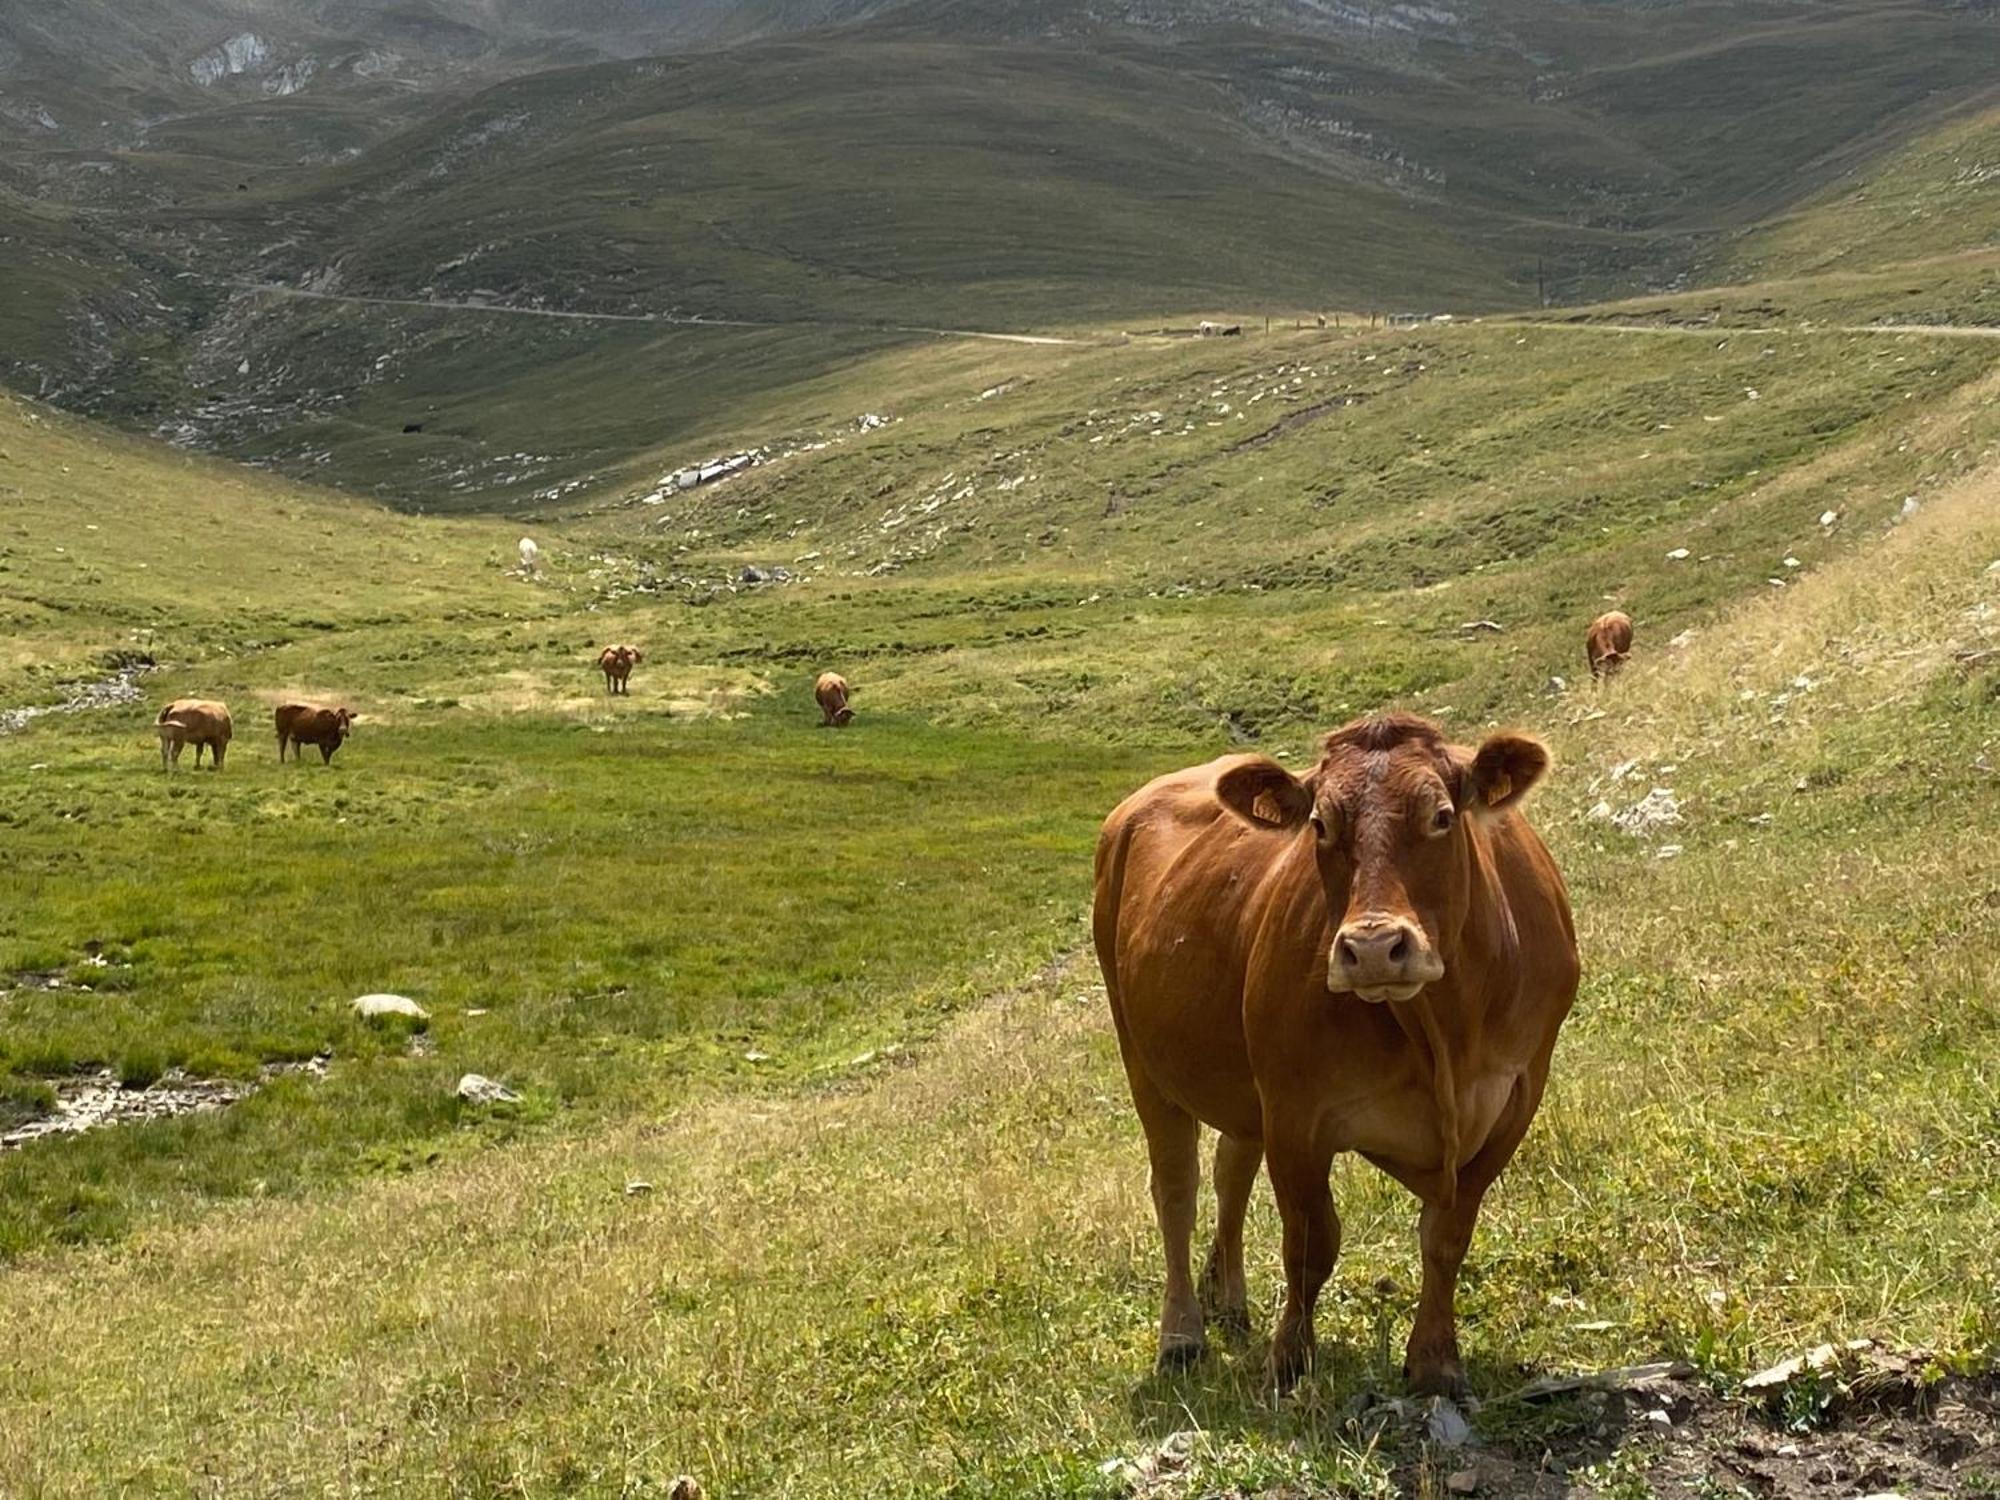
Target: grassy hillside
<point>690,928</point>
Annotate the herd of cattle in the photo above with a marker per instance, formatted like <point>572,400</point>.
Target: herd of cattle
<point>205,723</point>
<point>1373,957</point>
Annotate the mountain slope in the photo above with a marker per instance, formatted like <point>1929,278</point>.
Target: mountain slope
<point>1006,165</point>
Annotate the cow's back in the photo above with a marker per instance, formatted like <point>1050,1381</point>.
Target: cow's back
<point>198,718</point>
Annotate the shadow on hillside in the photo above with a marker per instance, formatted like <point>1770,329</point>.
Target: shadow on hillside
<point>1351,1403</point>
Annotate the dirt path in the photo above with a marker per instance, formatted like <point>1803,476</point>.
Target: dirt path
<point>672,320</point>
<point>1726,330</point>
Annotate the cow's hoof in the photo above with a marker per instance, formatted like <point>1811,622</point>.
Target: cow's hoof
<point>1178,1354</point>
<point>1445,1377</point>
<point>1233,1323</point>
<point>1287,1367</point>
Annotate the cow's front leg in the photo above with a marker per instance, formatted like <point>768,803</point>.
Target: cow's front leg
<point>1431,1364</point>
<point>1299,1171</point>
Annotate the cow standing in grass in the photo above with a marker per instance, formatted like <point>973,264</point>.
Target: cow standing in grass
<point>303,724</point>
<point>831,694</point>
<point>1608,643</point>
<point>616,663</point>
<point>201,722</point>
<point>1373,957</point>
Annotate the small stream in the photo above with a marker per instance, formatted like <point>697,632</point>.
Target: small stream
<point>120,688</point>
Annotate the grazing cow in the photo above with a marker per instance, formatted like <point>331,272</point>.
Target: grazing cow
<point>303,724</point>
<point>1373,957</point>
<point>831,692</point>
<point>200,722</point>
<point>531,557</point>
<point>1608,643</point>
<point>616,663</point>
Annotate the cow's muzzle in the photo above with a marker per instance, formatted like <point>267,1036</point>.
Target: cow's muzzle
<point>1382,958</point>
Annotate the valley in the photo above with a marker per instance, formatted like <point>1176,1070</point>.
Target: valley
<point>801,337</point>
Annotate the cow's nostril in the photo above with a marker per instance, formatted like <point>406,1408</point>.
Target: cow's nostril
<point>1400,949</point>
<point>1348,957</point>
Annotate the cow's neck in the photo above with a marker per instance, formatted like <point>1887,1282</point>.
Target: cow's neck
<point>1450,1020</point>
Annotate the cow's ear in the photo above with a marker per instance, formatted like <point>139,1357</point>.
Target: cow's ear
<point>1263,792</point>
<point>1504,770</point>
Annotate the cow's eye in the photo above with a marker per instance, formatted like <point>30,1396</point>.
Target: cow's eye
<point>1441,820</point>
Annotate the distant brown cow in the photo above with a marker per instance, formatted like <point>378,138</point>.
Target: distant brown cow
<point>1373,957</point>
<point>200,722</point>
<point>616,663</point>
<point>831,691</point>
<point>303,724</point>
<point>1608,643</point>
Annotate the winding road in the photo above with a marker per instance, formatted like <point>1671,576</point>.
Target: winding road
<point>671,320</point>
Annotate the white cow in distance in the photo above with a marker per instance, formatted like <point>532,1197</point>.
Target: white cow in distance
<point>531,557</point>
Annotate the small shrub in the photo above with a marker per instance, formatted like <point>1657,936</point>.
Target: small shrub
<point>24,1099</point>
<point>141,1066</point>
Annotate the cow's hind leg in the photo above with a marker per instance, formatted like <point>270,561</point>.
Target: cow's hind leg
<point>1174,1146</point>
<point>1224,1296</point>
<point>1299,1171</point>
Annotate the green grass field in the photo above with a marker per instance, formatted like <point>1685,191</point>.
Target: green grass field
<point>825,992</point>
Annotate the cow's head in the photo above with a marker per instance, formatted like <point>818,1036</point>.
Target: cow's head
<point>1611,661</point>
<point>344,717</point>
<point>1387,809</point>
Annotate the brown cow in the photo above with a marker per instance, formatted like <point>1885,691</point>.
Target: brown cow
<point>303,724</point>
<point>1373,957</point>
<point>831,691</point>
<point>200,722</point>
<point>1608,643</point>
<point>616,663</point>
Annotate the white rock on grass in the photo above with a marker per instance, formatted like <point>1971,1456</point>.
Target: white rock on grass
<point>374,1007</point>
<point>474,1088</point>
<point>1658,809</point>
<point>1446,1424</point>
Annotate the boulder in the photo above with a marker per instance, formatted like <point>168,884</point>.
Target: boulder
<point>375,1007</point>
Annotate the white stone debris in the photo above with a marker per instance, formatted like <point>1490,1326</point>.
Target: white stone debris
<point>1658,809</point>
<point>373,1007</point>
<point>1446,1424</point>
<point>475,1088</point>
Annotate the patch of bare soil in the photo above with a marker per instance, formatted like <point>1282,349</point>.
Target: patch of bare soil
<point>1873,1425</point>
